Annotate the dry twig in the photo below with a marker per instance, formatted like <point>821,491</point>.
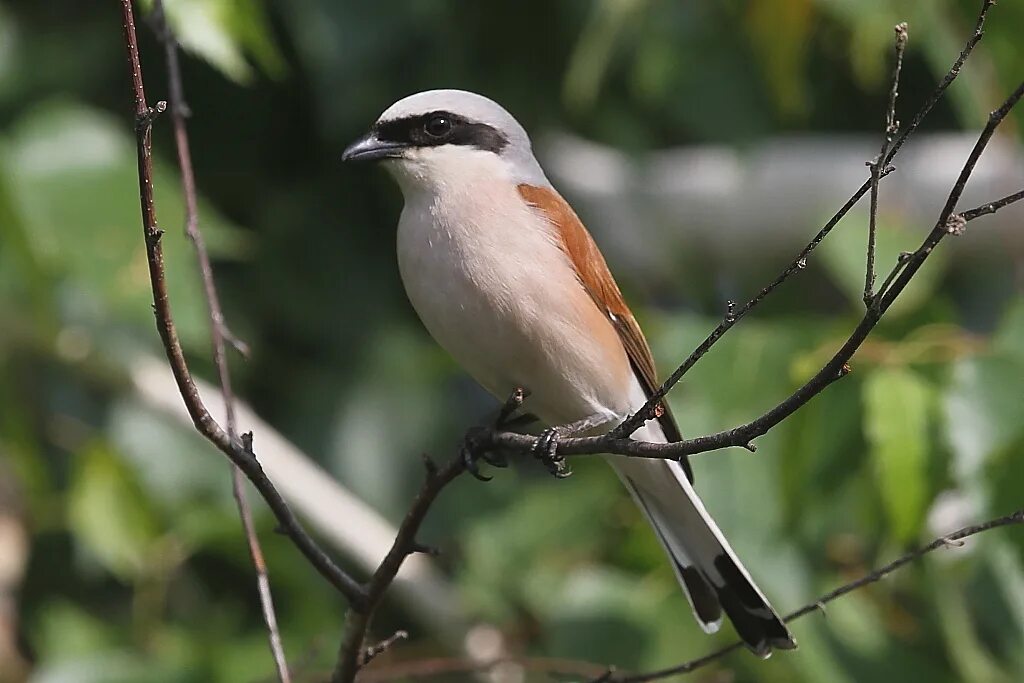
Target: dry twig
<point>891,128</point>
<point>239,454</point>
<point>219,332</point>
<point>819,604</point>
<point>363,598</point>
<point>647,412</point>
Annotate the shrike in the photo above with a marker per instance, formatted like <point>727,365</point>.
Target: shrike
<point>505,277</point>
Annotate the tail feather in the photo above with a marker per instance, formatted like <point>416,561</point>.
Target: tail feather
<point>711,575</point>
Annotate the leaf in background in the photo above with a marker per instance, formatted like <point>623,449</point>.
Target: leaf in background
<point>984,410</point>
<point>780,34</point>
<point>941,32</point>
<point>845,250</point>
<point>968,655</point>
<point>108,512</point>
<point>595,47</point>
<point>603,611</point>
<point>869,25</point>
<point>76,184</point>
<point>224,32</point>
<point>1010,333</point>
<point>552,530</point>
<point>897,407</point>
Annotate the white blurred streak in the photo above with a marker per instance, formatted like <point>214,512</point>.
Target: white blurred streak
<point>334,513</point>
<point>772,197</point>
<point>14,550</point>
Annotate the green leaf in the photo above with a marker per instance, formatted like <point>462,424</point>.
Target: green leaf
<point>225,33</point>
<point>91,239</point>
<point>1008,336</point>
<point>844,255</point>
<point>984,411</point>
<point>968,655</point>
<point>108,513</point>
<point>780,35</point>
<point>595,48</point>
<point>897,408</point>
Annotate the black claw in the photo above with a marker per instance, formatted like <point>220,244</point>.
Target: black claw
<point>546,450</point>
<point>469,460</point>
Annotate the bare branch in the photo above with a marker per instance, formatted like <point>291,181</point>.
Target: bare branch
<point>952,541</point>
<point>219,333</point>
<point>240,455</point>
<point>835,369</point>
<point>599,673</point>
<point>647,412</point>
<point>357,619</point>
<point>891,127</point>
<point>364,599</point>
<point>992,207</point>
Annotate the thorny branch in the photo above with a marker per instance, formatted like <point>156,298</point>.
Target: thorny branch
<point>363,598</point>
<point>219,332</point>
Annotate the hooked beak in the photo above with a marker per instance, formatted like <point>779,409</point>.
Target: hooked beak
<point>370,148</point>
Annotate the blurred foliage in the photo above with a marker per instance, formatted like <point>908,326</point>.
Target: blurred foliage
<point>138,571</point>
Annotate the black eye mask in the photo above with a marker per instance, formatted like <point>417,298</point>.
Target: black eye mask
<point>442,128</point>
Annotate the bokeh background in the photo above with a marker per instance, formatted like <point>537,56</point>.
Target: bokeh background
<point>703,142</point>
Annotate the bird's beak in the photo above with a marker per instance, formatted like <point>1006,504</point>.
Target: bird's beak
<point>371,148</point>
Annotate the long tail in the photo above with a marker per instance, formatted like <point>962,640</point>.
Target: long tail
<point>711,575</point>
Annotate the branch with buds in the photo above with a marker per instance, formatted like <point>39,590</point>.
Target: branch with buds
<point>495,442</point>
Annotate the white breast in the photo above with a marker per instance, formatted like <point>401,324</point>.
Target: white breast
<point>486,275</point>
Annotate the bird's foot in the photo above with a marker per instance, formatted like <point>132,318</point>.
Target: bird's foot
<point>545,449</point>
<point>473,451</point>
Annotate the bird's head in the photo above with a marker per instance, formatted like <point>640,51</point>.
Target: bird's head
<point>444,136</point>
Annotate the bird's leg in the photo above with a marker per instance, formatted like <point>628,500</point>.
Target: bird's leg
<point>506,419</point>
<point>545,448</point>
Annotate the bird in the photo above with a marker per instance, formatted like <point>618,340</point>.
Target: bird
<point>506,278</point>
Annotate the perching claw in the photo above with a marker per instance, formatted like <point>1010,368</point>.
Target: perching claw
<point>545,449</point>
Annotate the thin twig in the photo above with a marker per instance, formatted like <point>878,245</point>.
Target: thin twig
<point>836,368</point>
<point>891,128</point>
<point>239,454</point>
<point>374,651</point>
<point>948,222</point>
<point>364,600</point>
<point>436,667</point>
<point>992,207</point>
<point>817,605</point>
<point>648,411</point>
<point>357,619</point>
<point>218,329</point>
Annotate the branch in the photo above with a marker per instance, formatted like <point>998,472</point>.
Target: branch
<point>357,619</point>
<point>240,454</point>
<point>648,411</point>
<point>953,540</point>
<point>597,673</point>
<point>218,330</point>
<point>891,128</point>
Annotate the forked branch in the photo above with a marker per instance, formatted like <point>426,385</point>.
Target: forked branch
<point>363,598</point>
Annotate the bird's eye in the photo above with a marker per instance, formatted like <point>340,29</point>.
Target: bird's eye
<point>437,126</point>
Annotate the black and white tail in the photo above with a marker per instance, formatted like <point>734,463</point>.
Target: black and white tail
<point>711,575</point>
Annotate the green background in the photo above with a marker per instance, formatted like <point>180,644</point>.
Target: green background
<point>137,568</point>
